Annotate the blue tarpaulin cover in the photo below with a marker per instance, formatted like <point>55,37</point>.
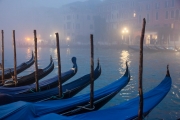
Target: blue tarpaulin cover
<point>48,94</point>
<point>24,110</point>
<point>47,82</point>
<point>125,111</point>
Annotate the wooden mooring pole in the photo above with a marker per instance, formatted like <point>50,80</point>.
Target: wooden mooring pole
<point>2,63</point>
<point>36,62</point>
<point>92,72</point>
<point>140,112</point>
<point>59,65</point>
<point>15,63</point>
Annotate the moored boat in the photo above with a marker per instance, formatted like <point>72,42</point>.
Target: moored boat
<point>69,90</point>
<point>29,79</point>
<point>33,110</point>
<point>124,111</point>
<point>45,84</point>
<point>9,72</point>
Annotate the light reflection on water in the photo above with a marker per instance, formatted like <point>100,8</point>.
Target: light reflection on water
<point>113,66</point>
<point>124,56</point>
<point>68,51</point>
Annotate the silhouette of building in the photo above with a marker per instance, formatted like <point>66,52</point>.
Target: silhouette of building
<point>120,21</point>
<point>162,20</point>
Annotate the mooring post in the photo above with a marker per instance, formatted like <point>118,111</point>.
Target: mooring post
<point>59,65</point>
<point>14,45</point>
<point>36,62</point>
<point>2,64</point>
<point>140,113</point>
<point>92,72</point>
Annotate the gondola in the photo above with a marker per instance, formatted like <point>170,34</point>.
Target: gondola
<point>9,72</point>
<point>168,49</point>
<point>134,48</point>
<point>30,79</point>
<point>69,90</point>
<point>28,110</point>
<point>124,111</point>
<point>97,103</point>
<point>43,85</point>
<point>145,48</point>
<point>161,49</point>
<point>152,48</point>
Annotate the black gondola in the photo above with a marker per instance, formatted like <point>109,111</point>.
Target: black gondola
<point>9,72</point>
<point>69,90</point>
<point>145,48</point>
<point>165,49</point>
<point>33,110</point>
<point>45,84</point>
<point>29,79</point>
<point>97,103</point>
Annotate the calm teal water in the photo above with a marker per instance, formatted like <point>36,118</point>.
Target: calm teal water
<point>113,61</point>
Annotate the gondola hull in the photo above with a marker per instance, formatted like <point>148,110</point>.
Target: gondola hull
<point>124,111</point>
<point>69,90</point>
<point>30,79</point>
<point>43,85</point>
<point>8,73</point>
<point>33,110</point>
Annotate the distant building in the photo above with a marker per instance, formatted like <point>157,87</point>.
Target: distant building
<point>124,20</point>
<point>120,21</point>
<point>77,22</point>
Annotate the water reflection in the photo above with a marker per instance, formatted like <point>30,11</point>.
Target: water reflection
<point>28,53</point>
<point>124,56</point>
<point>68,51</point>
<point>55,53</point>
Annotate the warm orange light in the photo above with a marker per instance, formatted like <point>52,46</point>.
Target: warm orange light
<point>28,39</point>
<point>68,38</point>
<point>125,30</point>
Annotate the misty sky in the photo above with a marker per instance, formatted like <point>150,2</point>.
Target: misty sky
<point>26,15</point>
<point>32,3</point>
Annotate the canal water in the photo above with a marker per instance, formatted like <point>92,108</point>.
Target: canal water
<point>112,61</point>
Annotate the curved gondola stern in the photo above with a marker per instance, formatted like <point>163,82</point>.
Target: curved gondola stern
<point>75,67</point>
<point>31,61</point>
<point>127,73</point>
<point>167,73</point>
<point>50,66</point>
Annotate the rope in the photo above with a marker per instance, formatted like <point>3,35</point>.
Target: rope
<point>69,92</point>
<point>33,90</point>
<point>52,97</point>
<point>83,107</point>
<point>56,97</point>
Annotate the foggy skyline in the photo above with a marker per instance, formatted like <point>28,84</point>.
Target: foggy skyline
<point>105,20</point>
<point>24,16</point>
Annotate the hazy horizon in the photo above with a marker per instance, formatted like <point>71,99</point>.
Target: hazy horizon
<point>24,16</point>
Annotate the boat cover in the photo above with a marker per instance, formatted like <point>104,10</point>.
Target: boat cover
<point>48,83</point>
<point>30,78</point>
<point>124,111</point>
<point>8,72</point>
<point>21,109</point>
<point>51,93</point>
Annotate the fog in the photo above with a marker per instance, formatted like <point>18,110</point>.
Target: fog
<point>111,21</point>
<point>24,16</point>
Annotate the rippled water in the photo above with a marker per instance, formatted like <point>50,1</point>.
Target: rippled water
<point>113,61</point>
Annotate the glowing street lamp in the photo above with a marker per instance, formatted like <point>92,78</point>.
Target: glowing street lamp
<point>125,31</point>
<point>134,15</point>
<point>67,39</point>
